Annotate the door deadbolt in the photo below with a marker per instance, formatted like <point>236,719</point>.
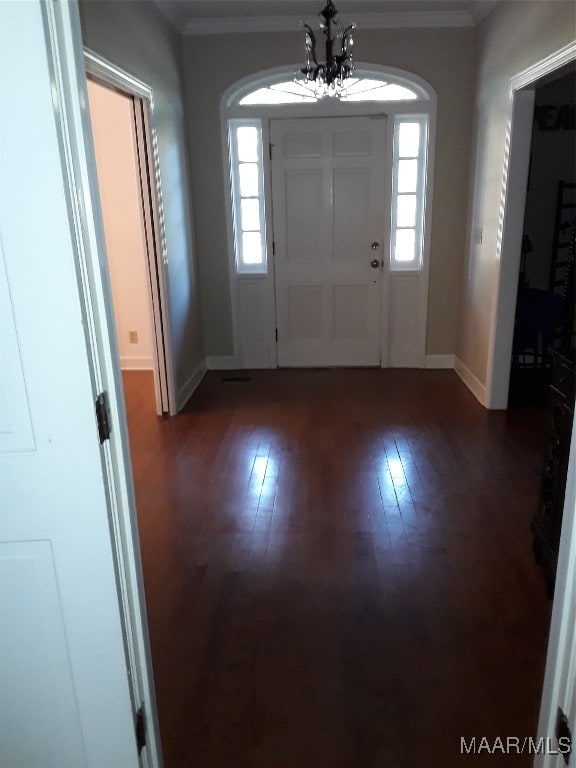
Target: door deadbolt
<point>375,245</point>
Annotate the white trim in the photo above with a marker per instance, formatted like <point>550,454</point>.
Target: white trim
<point>508,246</point>
<point>401,20</point>
<point>558,686</point>
<point>545,67</point>
<point>108,74</point>
<point>186,391</point>
<point>512,202</point>
<point>428,201</point>
<point>222,363</point>
<point>232,273</point>
<point>128,363</point>
<point>438,362</point>
<point>271,274</point>
<point>66,63</point>
<point>471,380</point>
<point>161,352</point>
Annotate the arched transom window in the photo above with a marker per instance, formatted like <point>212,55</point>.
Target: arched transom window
<point>364,86</point>
<point>357,89</point>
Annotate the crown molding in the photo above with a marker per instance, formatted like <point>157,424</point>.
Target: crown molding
<point>229,25</point>
<point>544,67</point>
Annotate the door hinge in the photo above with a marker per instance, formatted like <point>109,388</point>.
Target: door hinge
<point>270,150</point>
<point>103,417</point>
<point>564,736</point>
<point>274,247</point>
<point>276,334</point>
<point>140,727</point>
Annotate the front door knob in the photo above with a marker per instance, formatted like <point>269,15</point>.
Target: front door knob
<point>375,263</point>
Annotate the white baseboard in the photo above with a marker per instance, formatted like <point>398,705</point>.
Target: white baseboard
<point>440,361</point>
<point>471,380</point>
<point>136,364</point>
<point>221,363</point>
<point>186,391</point>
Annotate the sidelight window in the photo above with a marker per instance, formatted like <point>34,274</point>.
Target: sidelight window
<point>408,191</point>
<point>245,138</point>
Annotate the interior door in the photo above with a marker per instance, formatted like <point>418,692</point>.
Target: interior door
<point>65,692</point>
<point>328,212</point>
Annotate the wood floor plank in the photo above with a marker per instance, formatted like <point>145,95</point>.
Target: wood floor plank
<point>338,569</point>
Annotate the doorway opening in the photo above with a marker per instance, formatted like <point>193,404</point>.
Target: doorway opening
<point>544,320</point>
<point>128,180</point>
<point>278,323</point>
<point>512,208</point>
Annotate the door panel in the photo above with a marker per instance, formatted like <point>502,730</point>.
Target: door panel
<point>351,319</point>
<point>66,698</point>
<point>35,662</point>
<point>304,201</point>
<point>301,145</point>
<point>305,303</point>
<point>328,207</point>
<point>351,212</point>
<point>353,143</point>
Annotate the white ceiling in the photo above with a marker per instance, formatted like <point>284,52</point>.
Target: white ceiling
<point>213,16</point>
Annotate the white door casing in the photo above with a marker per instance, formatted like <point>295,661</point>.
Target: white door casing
<point>73,639</point>
<point>405,292</point>
<point>328,177</point>
<point>102,71</point>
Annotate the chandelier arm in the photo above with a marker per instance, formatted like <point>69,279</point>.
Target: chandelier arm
<point>311,72</point>
<point>312,50</point>
<point>347,39</point>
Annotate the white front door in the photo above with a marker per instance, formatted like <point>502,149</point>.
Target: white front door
<point>66,699</point>
<point>328,212</point>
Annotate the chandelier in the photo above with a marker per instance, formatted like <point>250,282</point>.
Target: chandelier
<point>327,78</point>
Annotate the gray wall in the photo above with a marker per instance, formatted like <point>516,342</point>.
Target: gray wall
<point>443,57</point>
<point>512,38</point>
<point>136,37</point>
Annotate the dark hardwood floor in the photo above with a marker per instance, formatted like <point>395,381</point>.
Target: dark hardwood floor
<point>338,569</point>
